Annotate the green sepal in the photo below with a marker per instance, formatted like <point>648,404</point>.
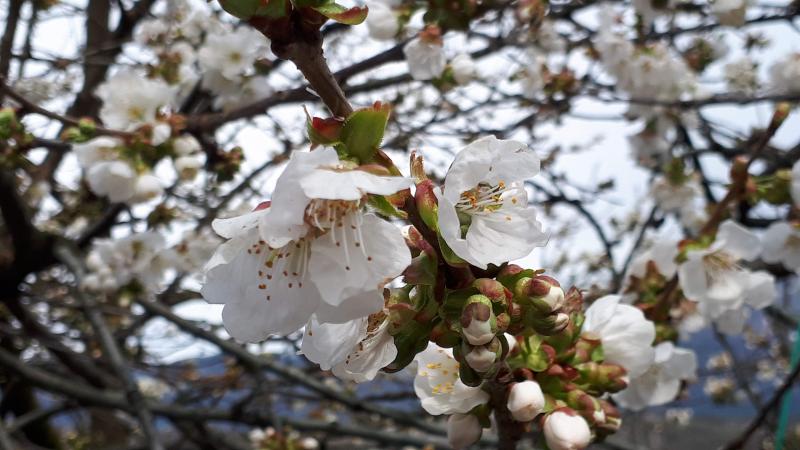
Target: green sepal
<point>362,132</point>
<point>343,14</point>
<point>385,208</point>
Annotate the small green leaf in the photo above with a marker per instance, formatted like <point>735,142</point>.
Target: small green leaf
<point>342,14</point>
<point>363,131</point>
<point>385,208</point>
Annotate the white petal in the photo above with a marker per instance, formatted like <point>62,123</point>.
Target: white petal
<point>692,277</point>
<point>732,322</point>
<point>489,160</point>
<point>329,344</point>
<point>738,241</point>
<point>375,352</point>
<point>255,304</point>
<point>357,265</point>
<point>774,241</point>
<point>349,185</point>
<point>450,229</point>
<point>760,291</point>
<point>235,226</point>
<point>508,234</point>
<point>285,222</point>
<point>351,308</point>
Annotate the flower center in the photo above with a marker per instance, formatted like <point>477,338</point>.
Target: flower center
<point>486,198</point>
<point>287,265</point>
<point>718,263</point>
<point>341,220</point>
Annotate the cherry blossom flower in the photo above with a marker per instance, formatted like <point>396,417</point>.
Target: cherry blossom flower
<point>354,350</point>
<point>425,58</point>
<point>483,207</point>
<point>464,69</point>
<point>713,277</point>
<point>113,179</point>
<point>625,333</point>
<point>232,54</point>
<point>661,383</point>
<point>438,386</point>
<point>113,263</point>
<point>742,75</point>
<point>312,251</point>
<point>131,100</point>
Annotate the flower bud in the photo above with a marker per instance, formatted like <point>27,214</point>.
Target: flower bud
<point>566,430</point>
<point>482,357</point>
<point>463,430</point>
<point>602,377</point>
<point>544,292</point>
<point>427,204</point>
<point>478,322</point>
<point>525,401</point>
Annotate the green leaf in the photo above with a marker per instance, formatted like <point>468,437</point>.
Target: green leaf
<point>342,14</point>
<point>362,132</point>
<point>385,208</point>
<point>247,9</point>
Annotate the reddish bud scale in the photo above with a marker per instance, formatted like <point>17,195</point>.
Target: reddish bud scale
<point>475,311</point>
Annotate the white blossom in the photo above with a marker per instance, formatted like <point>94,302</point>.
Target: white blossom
<point>131,100</point>
<point>354,350</point>
<point>742,75</point>
<point>484,193</point>
<point>713,277</point>
<point>312,251</point>
<point>464,69</point>
<point>113,179</point>
<point>671,196</point>
<point>425,59</point>
<point>625,333</point>
<point>661,383</point>
<point>438,386</point>
<point>232,54</point>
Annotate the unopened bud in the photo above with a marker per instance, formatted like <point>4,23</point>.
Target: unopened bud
<point>478,322</point>
<point>564,429</point>
<point>492,289</point>
<point>463,430</point>
<point>525,401</point>
<point>603,377</point>
<point>427,204</point>
<point>480,358</point>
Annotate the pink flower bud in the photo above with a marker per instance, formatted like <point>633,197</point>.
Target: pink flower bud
<point>463,430</point>
<point>525,401</point>
<point>564,429</point>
